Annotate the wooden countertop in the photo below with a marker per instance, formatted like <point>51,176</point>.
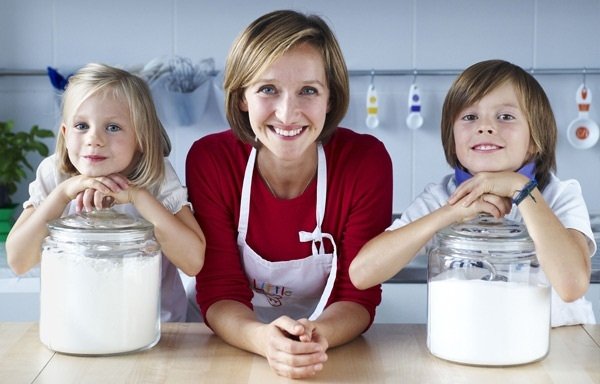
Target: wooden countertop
<point>190,353</point>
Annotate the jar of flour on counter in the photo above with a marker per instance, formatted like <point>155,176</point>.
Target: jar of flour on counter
<point>100,284</point>
<point>488,299</point>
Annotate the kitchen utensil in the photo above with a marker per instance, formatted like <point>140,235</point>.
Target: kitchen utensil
<point>100,284</point>
<point>372,120</point>
<point>488,299</point>
<point>414,120</point>
<point>583,132</point>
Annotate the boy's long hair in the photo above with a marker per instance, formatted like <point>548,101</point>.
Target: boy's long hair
<point>480,79</point>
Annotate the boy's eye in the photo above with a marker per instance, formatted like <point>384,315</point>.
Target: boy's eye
<point>80,126</point>
<point>113,128</point>
<point>506,117</point>
<point>469,117</point>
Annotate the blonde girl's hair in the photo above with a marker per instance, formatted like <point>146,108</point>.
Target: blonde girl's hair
<point>482,78</point>
<point>152,139</point>
<point>263,42</point>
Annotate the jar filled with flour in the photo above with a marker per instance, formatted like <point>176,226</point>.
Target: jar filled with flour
<point>488,299</point>
<point>100,284</point>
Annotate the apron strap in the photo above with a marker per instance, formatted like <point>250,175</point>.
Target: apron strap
<point>316,235</point>
<point>329,285</point>
<point>245,200</point>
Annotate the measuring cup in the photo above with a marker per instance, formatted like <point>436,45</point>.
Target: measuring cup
<point>372,120</point>
<point>583,132</point>
<point>414,120</point>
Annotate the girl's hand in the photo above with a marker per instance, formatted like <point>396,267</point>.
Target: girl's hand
<point>483,184</point>
<point>101,192</point>
<point>295,349</point>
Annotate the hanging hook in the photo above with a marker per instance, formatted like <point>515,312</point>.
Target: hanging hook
<point>414,76</point>
<point>584,75</point>
<point>372,76</point>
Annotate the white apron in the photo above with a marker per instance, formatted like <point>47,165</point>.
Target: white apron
<point>295,288</point>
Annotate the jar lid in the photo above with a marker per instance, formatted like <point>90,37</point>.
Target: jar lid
<point>488,236</point>
<point>103,224</point>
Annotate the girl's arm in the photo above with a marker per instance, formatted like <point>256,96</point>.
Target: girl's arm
<point>24,242</point>
<point>562,253</point>
<point>179,234</point>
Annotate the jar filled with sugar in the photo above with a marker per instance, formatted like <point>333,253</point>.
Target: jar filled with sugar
<point>488,299</point>
<point>100,284</point>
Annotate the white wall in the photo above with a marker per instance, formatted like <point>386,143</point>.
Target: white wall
<point>387,34</point>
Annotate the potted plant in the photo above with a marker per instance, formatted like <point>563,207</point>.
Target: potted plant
<point>14,147</point>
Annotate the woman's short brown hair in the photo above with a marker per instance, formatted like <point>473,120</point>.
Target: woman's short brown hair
<point>480,79</point>
<point>263,42</point>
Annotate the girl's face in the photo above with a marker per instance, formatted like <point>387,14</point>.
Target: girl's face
<point>100,137</point>
<point>493,134</point>
<point>288,102</point>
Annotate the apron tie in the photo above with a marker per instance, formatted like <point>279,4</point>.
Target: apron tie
<point>317,236</point>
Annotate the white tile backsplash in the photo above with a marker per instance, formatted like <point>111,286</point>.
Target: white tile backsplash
<point>385,34</point>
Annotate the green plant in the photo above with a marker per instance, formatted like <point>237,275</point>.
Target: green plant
<point>14,146</point>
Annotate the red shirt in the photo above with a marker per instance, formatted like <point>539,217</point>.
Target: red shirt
<point>359,207</point>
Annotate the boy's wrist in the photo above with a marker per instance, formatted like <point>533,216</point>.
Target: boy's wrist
<point>525,192</point>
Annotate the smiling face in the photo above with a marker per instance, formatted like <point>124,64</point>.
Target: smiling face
<point>288,102</point>
<point>493,134</point>
<point>100,136</point>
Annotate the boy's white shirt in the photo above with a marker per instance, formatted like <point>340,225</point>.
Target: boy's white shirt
<point>566,201</point>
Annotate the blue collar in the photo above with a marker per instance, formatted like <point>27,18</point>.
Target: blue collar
<point>462,175</point>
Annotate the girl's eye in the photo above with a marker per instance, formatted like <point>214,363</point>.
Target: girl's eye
<point>113,128</point>
<point>469,118</point>
<point>309,91</point>
<point>80,126</point>
<point>506,117</point>
<point>267,89</point>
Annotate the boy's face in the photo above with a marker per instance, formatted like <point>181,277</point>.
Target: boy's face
<point>493,134</point>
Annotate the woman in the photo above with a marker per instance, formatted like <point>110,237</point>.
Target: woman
<point>287,199</point>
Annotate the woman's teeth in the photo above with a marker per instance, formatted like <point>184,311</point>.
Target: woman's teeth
<point>485,147</point>
<point>287,133</point>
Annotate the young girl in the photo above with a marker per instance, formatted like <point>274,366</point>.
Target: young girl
<point>111,149</point>
<point>499,134</point>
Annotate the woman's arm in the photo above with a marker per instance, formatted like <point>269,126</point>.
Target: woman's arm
<point>293,348</point>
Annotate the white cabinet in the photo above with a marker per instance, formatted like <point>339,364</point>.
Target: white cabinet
<point>407,303</point>
<point>403,303</point>
<point>19,298</point>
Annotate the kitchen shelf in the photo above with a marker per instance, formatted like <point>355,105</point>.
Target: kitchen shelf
<point>371,72</point>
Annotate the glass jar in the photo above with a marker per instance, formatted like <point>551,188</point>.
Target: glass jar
<point>488,299</point>
<point>100,284</point>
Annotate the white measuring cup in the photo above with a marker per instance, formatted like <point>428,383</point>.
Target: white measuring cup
<point>414,120</point>
<point>583,132</point>
<point>372,120</point>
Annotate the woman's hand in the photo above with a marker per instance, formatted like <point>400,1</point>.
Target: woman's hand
<point>294,349</point>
